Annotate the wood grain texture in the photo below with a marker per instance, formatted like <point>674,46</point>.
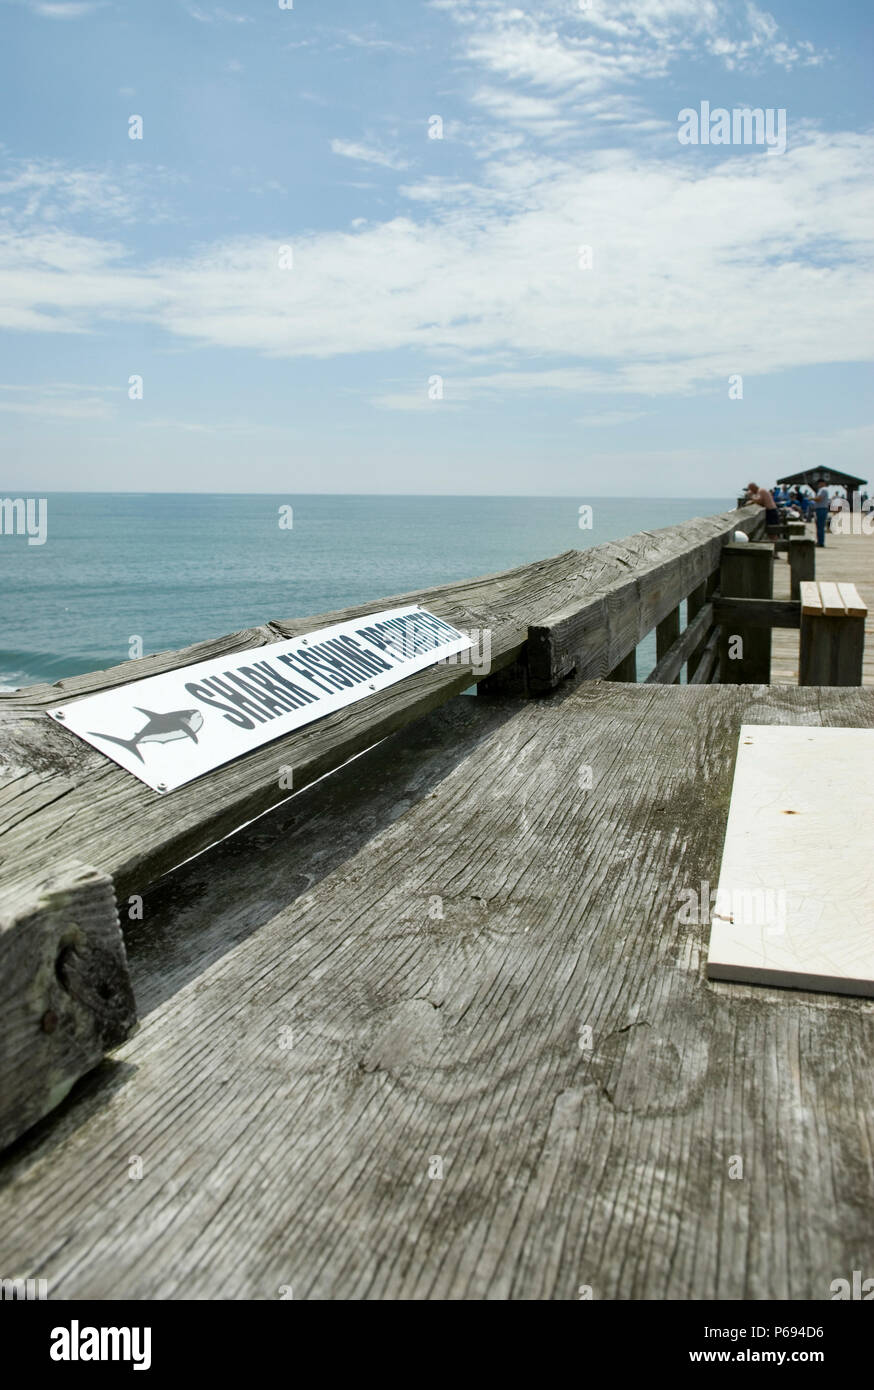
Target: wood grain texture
<point>439,972</point>
<point>65,993</point>
<point>56,789</point>
<point>634,592</point>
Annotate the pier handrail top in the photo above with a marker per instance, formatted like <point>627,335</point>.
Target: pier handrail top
<point>575,571</point>
<point>62,802</point>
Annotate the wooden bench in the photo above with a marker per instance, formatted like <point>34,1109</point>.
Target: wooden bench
<point>832,634</point>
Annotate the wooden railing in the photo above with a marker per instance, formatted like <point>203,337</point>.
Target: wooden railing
<point>78,833</point>
<point>582,612</point>
<point>598,634</point>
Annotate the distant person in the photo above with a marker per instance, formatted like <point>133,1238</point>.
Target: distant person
<point>821,504</point>
<point>761,497</point>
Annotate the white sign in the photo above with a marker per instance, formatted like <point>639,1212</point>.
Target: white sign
<point>171,728</point>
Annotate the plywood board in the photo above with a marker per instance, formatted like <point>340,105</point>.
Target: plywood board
<point>795,902</point>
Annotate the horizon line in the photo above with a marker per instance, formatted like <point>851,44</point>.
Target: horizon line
<point>501,496</point>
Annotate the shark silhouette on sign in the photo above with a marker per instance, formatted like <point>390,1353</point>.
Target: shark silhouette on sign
<point>161,728</point>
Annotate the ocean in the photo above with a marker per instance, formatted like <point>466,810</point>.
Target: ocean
<point>174,568</point>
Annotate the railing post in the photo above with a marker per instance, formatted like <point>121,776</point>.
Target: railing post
<point>747,571</point>
<point>793,529</point>
<point>667,632</point>
<point>802,562</point>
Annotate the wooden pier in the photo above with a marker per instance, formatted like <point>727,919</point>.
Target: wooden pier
<point>434,1027</point>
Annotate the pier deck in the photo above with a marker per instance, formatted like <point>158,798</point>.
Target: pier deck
<point>454,956</point>
<point>847,559</point>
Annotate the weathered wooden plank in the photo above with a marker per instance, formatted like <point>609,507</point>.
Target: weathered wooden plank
<point>56,788</point>
<point>483,983</point>
<point>695,602</point>
<point>853,605</point>
<point>666,671</point>
<point>592,635</point>
<point>65,993</point>
<point>811,603</point>
<point>708,662</point>
<point>830,598</point>
<point>757,612</point>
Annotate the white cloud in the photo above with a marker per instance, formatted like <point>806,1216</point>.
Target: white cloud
<point>702,267</point>
<point>365,41</point>
<point>65,9</point>
<point>217,16</point>
<point>56,401</point>
<point>606,419</point>
<point>567,51</point>
<point>368,154</point>
<point>537,114</point>
<point>49,192</point>
<point>752,264</point>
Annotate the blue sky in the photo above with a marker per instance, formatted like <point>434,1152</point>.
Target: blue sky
<point>415,258</point>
